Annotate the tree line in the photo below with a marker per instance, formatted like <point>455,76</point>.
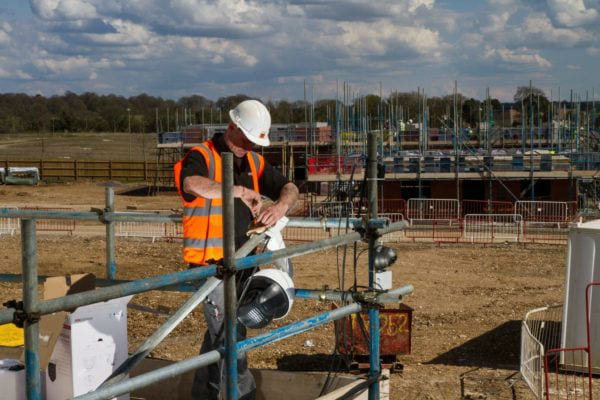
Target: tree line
<point>91,112</point>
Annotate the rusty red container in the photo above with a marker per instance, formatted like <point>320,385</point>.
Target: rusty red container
<point>395,332</point>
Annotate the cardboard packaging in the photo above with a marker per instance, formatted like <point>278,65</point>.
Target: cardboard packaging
<point>92,344</point>
<point>78,350</point>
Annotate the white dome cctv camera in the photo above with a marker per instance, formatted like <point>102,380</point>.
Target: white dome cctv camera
<point>269,296</point>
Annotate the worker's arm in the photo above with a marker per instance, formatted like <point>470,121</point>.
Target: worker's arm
<point>201,186</point>
<point>287,198</point>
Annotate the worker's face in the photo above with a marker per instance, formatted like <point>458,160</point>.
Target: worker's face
<point>237,141</point>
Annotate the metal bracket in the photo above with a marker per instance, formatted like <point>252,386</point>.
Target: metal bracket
<point>223,271</point>
<point>368,298</point>
<point>100,212</point>
<point>322,295</point>
<point>370,233</point>
<point>20,316</point>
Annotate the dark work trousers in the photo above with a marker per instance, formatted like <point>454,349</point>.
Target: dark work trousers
<point>209,381</point>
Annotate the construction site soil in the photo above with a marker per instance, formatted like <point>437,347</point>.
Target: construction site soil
<point>468,300</point>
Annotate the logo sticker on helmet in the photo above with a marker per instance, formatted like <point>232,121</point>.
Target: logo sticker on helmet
<point>262,135</point>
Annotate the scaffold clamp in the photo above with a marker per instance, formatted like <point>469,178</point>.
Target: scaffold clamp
<point>223,270</point>
<point>20,316</point>
<point>369,299</point>
<point>101,214</point>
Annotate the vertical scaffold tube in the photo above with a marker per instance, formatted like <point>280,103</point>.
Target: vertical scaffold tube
<point>229,278</point>
<point>30,306</point>
<point>111,263</point>
<point>374,367</point>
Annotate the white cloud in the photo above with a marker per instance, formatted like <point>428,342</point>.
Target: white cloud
<point>107,63</point>
<point>540,28</point>
<point>23,75</point>
<point>497,23</point>
<point>56,10</point>
<point>269,47</point>
<point>127,33</point>
<point>217,51</point>
<point>64,65</point>
<point>6,27</point>
<point>502,3</point>
<point>523,56</point>
<point>593,51</point>
<point>4,38</point>
<point>472,40</point>
<point>363,39</point>
<point>5,30</point>
<point>572,13</point>
<point>573,67</point>
<point>414,5</point>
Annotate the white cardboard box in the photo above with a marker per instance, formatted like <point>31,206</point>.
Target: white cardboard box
<point>91,345</point>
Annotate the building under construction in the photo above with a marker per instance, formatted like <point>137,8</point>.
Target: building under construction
<point>493,162</point>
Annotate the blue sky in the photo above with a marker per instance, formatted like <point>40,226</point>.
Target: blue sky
<point>269,48</point>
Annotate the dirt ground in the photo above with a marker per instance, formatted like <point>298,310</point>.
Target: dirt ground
<point>468,300</point>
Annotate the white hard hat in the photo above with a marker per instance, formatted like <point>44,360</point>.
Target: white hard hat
<point>253,118</point>
<point>270,295</point>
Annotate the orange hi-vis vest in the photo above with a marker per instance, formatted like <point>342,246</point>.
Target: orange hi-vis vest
<point>203,218</point>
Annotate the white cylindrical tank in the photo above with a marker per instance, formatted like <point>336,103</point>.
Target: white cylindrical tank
<point>583,268</point>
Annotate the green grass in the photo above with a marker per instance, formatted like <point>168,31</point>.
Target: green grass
<point>78,146</point>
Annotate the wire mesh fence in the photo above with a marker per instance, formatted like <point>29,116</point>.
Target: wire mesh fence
<point>436,230</point>
<point>543,211</point>
<point>295,234</point>
<point>54,225</point>
<point>433,209</point>
<point>331,209</point>
<point>540,331</point>
<point>492,228</point>
<point>9,226</point>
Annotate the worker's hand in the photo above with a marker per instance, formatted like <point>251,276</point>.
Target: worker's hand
<point>250,198</point>
<point>270,215</point>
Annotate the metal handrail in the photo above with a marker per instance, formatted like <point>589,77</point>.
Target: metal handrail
<point>29,311</point>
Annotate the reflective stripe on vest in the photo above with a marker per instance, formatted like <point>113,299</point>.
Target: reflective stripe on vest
<point>203,218</point>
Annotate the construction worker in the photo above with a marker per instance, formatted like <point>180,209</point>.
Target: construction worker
<point>198,180</point>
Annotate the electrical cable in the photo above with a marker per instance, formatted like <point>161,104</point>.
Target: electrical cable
<point>341,286</point>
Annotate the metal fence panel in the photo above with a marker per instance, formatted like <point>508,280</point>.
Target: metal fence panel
<point>173,231</point>
<point>543,211</point>
<point>294,234</point>
<point>440,230</point>
<point>331,209</point>
<point>140,229</point>
<point>492,228</point>
<point>540,331</point>
<point>54,225</point>
<point>433,209</point>
<point>545,232</point>
<point>9,226</point>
